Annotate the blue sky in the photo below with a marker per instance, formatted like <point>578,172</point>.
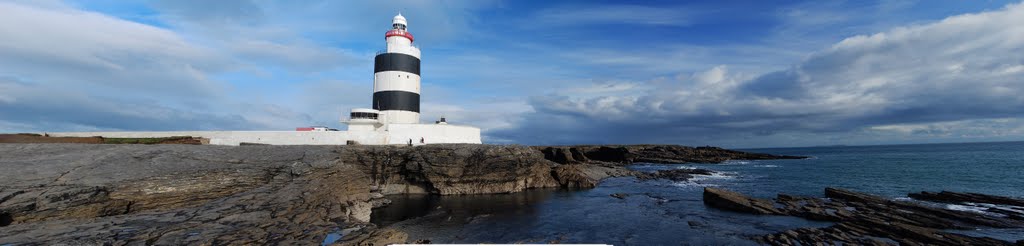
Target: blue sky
<point>727,73</point>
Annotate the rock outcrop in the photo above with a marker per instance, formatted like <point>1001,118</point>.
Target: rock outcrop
<point>628,154</point>
<point>675,174</point>
<point>452,169</point>
<point>258,194</point>
<point>965,198</point>
<point>867,219</point>
<point>192,194</point>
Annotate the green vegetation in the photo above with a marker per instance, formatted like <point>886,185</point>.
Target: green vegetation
<point>144,140</point>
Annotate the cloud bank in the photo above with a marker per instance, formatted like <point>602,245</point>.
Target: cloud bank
<point>965,67</point>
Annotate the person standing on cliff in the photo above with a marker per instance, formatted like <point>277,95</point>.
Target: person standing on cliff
<point>421,140</point>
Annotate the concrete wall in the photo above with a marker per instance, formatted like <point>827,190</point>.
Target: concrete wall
<point>432,133</point>
<point>394,134</point>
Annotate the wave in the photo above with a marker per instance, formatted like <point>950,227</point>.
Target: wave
<point>688,184</point>
<point>702,180</point>
<point>736,162</point>
<point>904,199</point>
<point>966,208</point>
<point>768,165</point>
<point>686,167</point>
<point>1016,209</point>
<point>714,175</point>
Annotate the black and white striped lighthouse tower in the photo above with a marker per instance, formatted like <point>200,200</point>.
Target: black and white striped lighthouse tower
<point>396,77</point>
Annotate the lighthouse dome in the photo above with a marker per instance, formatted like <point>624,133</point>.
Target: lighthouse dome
<point>399,19</point>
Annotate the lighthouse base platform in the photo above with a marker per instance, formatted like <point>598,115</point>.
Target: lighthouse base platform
<point>391,134</point>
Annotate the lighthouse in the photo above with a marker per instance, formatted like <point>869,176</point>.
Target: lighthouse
<point>396,76</point>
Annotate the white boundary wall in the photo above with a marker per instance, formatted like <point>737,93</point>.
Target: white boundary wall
<point>391,134</point>
<point>401,133</point>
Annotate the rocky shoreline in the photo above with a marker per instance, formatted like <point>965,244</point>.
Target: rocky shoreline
<point>666,154</point>
<point>201,194</point>
<point>863,219</point>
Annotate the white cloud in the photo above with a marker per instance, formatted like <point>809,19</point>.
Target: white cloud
<point>973,128</point>
<point>69,47</point>
<point>65,69</point>
<point>900,76</point>
<point>36,107</point>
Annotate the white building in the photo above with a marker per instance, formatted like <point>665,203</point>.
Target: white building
<point>393,119</point>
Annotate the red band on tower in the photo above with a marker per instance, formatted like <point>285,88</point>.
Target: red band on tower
<point>399,33</point>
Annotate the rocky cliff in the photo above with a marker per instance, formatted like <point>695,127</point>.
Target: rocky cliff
<point>175,194</point>
<point>451,169</point>
<point>202,194</point>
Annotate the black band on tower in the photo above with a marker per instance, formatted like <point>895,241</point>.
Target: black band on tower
<point>396,62</point>
<point>396,100</point>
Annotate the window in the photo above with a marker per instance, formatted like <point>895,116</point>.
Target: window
<point>362,115</point>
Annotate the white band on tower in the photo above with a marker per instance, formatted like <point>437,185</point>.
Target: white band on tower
<point>396,78</point>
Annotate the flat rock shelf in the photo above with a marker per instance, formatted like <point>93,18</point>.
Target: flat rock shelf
<point>62,193</point>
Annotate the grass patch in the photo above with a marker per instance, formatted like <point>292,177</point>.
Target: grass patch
<point>142,140</point>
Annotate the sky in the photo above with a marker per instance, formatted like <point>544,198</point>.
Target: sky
<point>739,74</point>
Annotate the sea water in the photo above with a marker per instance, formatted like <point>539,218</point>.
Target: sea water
<point>662,212</point>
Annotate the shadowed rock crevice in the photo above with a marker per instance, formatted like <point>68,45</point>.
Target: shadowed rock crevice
<point>5,219</point>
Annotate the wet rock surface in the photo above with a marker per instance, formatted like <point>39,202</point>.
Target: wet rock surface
<point>628,154</point>
<point>872,220</point>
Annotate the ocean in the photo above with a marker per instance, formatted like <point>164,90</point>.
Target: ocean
<point>671,213</point>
